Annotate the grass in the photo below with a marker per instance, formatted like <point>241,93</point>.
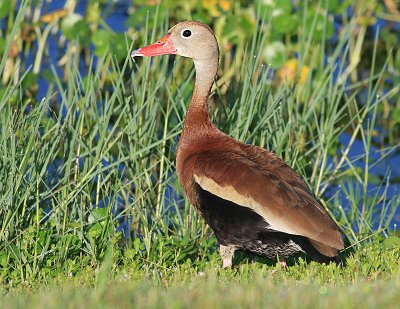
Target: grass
<point>91,211</point>
<point>371,278</point>
<point>260,292</point>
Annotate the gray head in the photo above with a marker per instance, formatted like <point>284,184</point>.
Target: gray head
<point>190,39</point>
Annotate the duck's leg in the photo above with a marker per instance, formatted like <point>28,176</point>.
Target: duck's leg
<point>283,262</point>
<point>227,253</point>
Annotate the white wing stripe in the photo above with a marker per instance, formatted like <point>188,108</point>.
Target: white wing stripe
<point>230,194</point>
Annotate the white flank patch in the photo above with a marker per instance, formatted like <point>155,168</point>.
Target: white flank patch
<point>229,193</point>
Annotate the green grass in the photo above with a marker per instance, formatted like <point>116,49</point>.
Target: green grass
<point>260,293</point>
<point>370,279</point>
<point>61,181</point>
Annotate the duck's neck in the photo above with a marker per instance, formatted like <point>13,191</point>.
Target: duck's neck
<point>197,114</point>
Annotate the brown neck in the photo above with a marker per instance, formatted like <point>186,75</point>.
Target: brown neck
<point>197,114</point>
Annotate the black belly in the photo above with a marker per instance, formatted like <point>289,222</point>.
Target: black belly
<point>248,231</point>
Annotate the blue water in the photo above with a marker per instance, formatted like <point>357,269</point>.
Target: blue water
<point>387,169</point>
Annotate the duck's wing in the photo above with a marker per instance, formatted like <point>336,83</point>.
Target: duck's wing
<point>251,183</point>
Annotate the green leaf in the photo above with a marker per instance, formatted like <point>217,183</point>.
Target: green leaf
<point>138,18</point>
<point>2,45</point>
<point>48,76</point>
<point>247,25</point>
<point>5,8</point>
<point>284,23</point>
<point>98,214</point>
<point>322,29</point>
<point>201,16</point>
<point>68,23</point>
<point>274,54</point>
<point>119,48</point>
<point>390,38</point>
<point>74,27</point>
<point>330,5</point>
<point>284,5</point>
<point>74,225</point>
<point>30,80</point>
<point>95,230</point>
<point>97,217</point>
<point>3,259</point>
<point>391,242</point>
<point>101,39</point>
<point>396,115</point>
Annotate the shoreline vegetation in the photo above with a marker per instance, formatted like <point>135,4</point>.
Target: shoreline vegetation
<point>91,211</point>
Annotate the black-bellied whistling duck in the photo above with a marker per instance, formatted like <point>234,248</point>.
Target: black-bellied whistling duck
<point>252,200</point>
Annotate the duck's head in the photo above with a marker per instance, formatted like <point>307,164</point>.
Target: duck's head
<point>190,39</point>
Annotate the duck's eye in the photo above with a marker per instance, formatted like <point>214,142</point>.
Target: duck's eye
<point>186,33</point>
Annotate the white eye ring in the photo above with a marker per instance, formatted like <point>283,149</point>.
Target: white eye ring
<point>186,34</point>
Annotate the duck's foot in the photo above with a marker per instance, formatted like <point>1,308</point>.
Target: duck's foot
<point>283,263</point>
<point>227,253</point>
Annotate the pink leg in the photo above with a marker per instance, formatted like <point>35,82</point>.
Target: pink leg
<point>226,255</point>
<point>283,263</point>
<point>226,262</point>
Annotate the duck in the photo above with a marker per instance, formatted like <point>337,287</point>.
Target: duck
<point>253,200</point>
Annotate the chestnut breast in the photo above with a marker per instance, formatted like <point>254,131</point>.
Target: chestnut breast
<point>194,141</point>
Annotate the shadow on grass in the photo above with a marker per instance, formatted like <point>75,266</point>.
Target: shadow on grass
<point>245,257</point>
